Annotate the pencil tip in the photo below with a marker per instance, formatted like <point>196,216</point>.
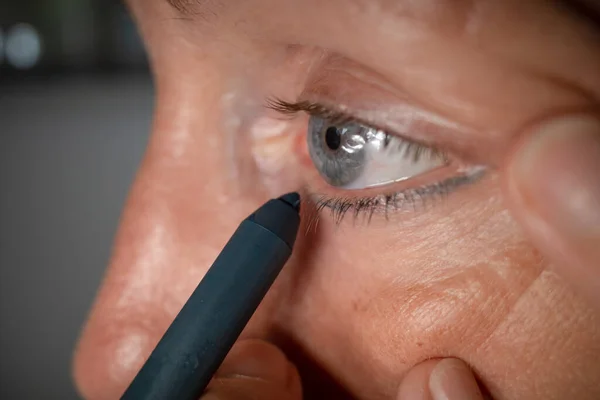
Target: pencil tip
<point>293,199</point>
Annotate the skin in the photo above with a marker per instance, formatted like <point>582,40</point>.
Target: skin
<point>366,310</point>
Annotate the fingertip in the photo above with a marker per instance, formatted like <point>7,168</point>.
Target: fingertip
<point>555,170</point>
<point>257,359</point>
<point>445,379</point>
<point>452,379</point>
<point>415,384</point>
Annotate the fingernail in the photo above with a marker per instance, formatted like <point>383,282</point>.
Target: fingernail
<point>451,379</point>
<point>557,172</point>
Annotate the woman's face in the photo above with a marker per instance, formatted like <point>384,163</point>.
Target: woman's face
<point>407,251</point>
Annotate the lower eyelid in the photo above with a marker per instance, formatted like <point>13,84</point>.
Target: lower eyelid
<point>450,176</point>
<point>412,199</point>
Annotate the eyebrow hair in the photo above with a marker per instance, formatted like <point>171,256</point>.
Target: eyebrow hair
<point>181,5</point>
<point>210,7</point>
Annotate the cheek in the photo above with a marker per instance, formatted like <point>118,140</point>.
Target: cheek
<point>450,280</point>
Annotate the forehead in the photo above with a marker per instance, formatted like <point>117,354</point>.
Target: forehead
<point>374,16</point>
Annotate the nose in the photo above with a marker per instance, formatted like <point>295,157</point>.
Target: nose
<point>181,210</point>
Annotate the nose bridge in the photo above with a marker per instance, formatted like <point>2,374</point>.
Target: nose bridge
<point>167,223</point>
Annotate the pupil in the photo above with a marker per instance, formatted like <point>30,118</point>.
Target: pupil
<point>333,138</point>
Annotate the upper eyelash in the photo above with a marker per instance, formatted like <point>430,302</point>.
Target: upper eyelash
<point>316,109</point>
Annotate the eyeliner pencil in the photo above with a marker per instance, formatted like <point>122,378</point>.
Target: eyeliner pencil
<point>196,343</point>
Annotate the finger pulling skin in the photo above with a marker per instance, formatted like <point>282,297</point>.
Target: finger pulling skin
<point>553,187</point>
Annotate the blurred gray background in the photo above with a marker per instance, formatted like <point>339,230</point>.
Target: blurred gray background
<point>75,109</point>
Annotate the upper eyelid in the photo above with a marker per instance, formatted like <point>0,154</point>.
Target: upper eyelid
<point>339,117</point>
<point>465,145</point>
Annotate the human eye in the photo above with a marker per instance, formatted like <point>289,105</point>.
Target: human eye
<point>369,169</point>
<point>350,155</point>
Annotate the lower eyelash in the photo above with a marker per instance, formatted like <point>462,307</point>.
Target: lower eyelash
<point>339,207</point>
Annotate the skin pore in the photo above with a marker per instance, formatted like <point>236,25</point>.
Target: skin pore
<point>361,302</point>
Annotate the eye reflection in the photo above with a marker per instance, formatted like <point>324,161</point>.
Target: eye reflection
<point>350,155</point>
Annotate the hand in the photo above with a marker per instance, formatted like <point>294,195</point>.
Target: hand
<point>255,370</point>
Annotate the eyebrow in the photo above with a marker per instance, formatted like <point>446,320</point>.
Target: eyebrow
<point>190,7</point>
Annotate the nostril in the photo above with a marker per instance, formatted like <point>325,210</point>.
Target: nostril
<point>107,360</point>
